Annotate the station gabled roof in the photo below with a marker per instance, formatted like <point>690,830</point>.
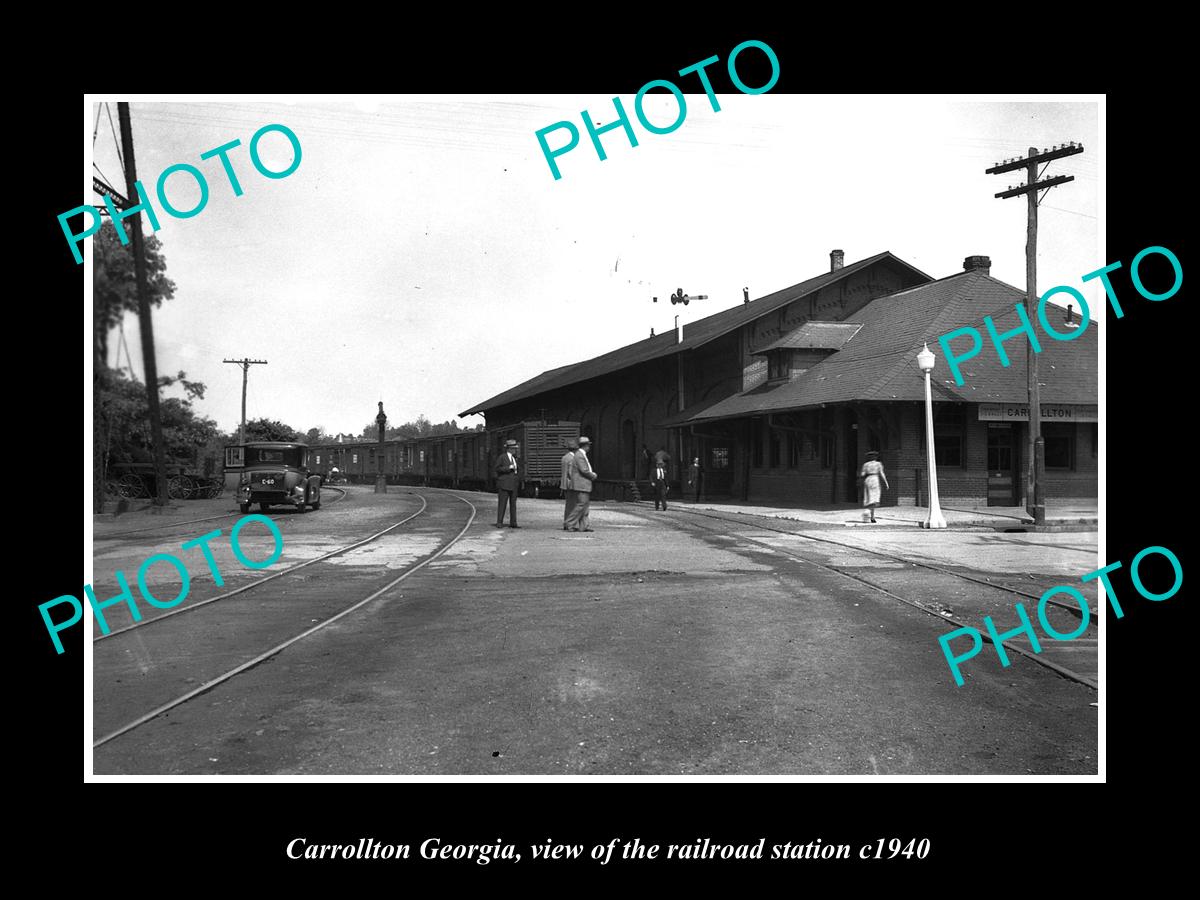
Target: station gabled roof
<point>879,364</point>
<point>695,334</point>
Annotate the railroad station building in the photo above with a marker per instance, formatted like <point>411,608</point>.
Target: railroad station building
<point>782,396</point>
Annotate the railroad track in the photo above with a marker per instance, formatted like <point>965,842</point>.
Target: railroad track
<point>1054,656</point>
<point>259,582</point>
<point>165,526</point>
<point>1069,607</point>
<point>328,611</point>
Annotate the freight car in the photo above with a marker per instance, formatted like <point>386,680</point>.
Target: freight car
<point>540,447</point>
<point>464,460</point>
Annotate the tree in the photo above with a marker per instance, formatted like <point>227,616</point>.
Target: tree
<point>114,287</point>
<point>123,422</point>
<point>114,291</point>
<point>419,427</point>
<point>317,435</point>
<point>269,430</point>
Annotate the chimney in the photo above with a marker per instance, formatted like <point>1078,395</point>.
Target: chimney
<point>836,260</point>
<point>678,331</point>
<point>651,332</point>
<point>745,295</point>
<point>1070,306</point>
<point>978,263</point>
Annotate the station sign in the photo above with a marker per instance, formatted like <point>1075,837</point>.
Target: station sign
<point>1051,412</point>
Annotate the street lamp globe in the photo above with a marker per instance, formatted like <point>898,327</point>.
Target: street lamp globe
<point>926,360</point>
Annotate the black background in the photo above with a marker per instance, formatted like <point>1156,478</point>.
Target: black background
<point>989,832</point>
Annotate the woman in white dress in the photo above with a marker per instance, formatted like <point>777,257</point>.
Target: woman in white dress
<point>871,475</point>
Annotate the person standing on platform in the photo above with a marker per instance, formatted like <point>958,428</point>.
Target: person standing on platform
<point>646,460</point>
<point>506,484</point>
<point>659,481</point>
<point>569,494</point>
<point>695,476</point>
<point>582,477</point>
<point>871,475</point>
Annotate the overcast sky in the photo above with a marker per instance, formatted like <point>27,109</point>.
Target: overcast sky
<point>423,254</point>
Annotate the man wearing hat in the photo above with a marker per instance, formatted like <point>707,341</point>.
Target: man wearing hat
<point>568,492</point>
<point>506,484</point>
<point>582,477</point>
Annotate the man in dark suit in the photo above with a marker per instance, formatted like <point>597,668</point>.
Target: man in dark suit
<point>658,478</point>
<point>506,484</point>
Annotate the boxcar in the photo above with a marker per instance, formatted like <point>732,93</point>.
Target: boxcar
<point>540,447</point>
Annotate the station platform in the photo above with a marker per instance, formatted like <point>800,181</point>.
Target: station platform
<point>1072,516</point>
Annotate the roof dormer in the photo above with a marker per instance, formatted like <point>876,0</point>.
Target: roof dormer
<point>802,348</point>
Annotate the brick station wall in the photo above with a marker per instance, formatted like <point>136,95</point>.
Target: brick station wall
<point>967,485</point>
<point>904,463</point>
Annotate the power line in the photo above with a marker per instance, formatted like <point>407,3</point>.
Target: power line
<point>113,129</point>
<point>1071,211</point>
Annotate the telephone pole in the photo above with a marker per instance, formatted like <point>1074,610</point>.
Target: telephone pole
<point>1035,469</point>
<point>146,327</point>
<point>245,364</point>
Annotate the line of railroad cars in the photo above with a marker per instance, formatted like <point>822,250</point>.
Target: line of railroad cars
<point>465,460</point>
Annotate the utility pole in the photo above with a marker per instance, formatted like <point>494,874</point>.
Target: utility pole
<point>245,364</point>
<point>1035,469</point>
<point>146,327</point>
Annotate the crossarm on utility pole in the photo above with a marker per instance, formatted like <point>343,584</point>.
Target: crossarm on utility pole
<point>245,364</point>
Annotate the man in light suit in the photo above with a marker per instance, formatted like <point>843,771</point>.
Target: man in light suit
<point>582,477</point>
<point>507,484</point>
<point>568,492</point>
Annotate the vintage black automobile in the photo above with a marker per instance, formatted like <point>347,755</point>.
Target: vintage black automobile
<point>274,472</point>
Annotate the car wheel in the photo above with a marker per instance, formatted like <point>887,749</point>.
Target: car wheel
<point>244,507</point>
<point>317,505</point>
<point>263,507</point>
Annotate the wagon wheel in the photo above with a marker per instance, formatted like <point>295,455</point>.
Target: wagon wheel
<point>215,489</point>
<point>112,487</point>
<point>179,487</point>
<point>130,485</point>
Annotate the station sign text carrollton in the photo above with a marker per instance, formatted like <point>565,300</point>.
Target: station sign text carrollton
<point>1057,412</point>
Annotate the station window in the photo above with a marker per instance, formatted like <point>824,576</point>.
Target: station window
<point>1060,444</point>
<point>776,449</point>
<point>793,451</point>
<point>719,458</point>
<point>949,434</point>
<point>778,364</point>
<point>827,446</point>
<point>318,459</point>
<point>756,444</point>
<point>354,458</point>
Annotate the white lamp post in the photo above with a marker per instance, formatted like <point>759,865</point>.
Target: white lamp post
<point>925,361</point>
